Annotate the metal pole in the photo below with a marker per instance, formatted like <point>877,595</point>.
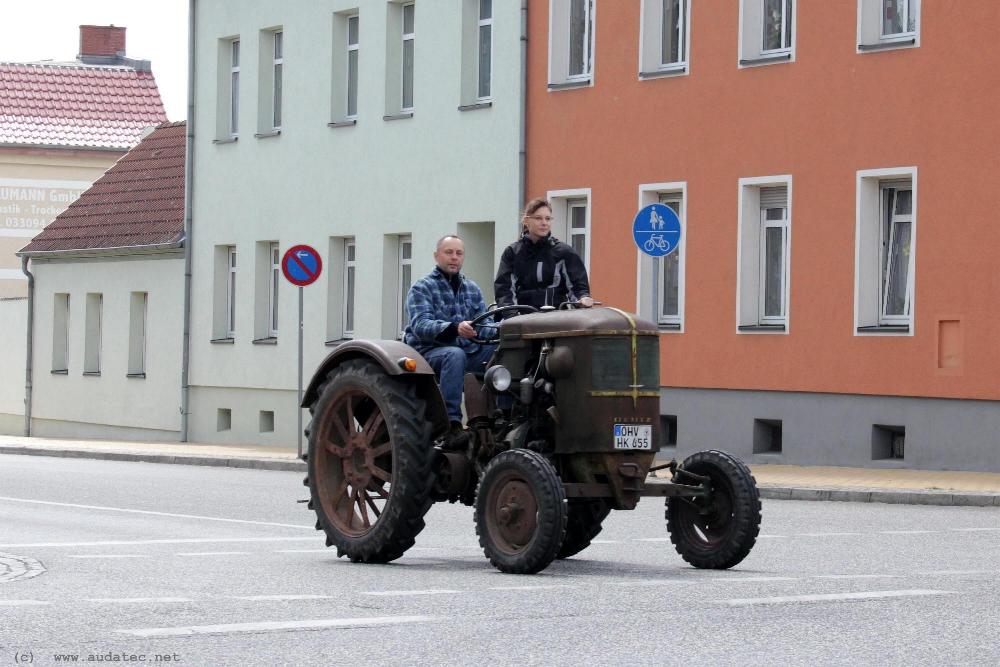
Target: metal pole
<point>298,405</point>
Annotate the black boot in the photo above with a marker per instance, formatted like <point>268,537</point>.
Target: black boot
<point>456,439</point>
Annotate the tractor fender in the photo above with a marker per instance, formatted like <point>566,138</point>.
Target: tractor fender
<point>385,353</point>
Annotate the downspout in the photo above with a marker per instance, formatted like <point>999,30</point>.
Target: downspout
<point>188,217</point>
<point>28,368</point>
<point>522,154</point>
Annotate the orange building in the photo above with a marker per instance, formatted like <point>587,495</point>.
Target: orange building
<point>834,166</point>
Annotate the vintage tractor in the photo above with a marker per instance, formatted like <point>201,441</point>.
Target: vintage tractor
<point>564,426</point>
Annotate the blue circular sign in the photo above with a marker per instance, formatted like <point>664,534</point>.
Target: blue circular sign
<point>301,265</point>
<point>656,230</point>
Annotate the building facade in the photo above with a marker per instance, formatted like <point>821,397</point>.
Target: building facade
<point>832,166</point>
<point>62,124</point>
<point>364,128</point>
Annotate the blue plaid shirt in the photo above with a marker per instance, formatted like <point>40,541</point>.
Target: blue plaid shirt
<point>433,305</point>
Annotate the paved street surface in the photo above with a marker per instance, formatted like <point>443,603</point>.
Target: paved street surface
<point>219,566</point>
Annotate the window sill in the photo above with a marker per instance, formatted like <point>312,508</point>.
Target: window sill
<point>663,73</point>
<point>475,107</point>
<point>766,60</point>
<point>399,116</point>
<point>268,134</point>
<point>230,140</point>
<point>569,85</point>
<point>668,327</point>
<point>762,328</point>
<point>888,44</point>
<point>222,341</point>
<point>270,340</point>
<point>141,376</point>
<point>61,371</point>
<point>92,374</point>
<point>885,329</point>
<point>343,123</point>
<point>337,341</point>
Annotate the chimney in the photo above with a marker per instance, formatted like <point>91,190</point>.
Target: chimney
<point>102,41</point>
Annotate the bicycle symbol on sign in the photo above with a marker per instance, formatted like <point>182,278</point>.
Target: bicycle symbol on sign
<point>656,241</point>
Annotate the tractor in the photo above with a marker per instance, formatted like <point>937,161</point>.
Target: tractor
<point>563,427</point>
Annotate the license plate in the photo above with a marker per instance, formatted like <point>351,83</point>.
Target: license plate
<point>633,436</point>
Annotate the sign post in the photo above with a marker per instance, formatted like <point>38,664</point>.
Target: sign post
<point>656,230</point>
<point>301,266</point>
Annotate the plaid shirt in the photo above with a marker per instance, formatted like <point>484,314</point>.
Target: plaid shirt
<point>432,305</point>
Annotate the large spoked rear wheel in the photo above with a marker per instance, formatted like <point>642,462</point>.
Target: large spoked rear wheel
<point>520,512</point>
<point>583,524</point>
<point>369,463</point>
<point>719,531</point>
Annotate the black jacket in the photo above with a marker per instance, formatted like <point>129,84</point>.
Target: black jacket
<point>548,272</point>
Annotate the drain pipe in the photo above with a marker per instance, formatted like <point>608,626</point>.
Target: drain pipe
<point>188,217</point>
<point>522,150</point>
<point>28,368</point>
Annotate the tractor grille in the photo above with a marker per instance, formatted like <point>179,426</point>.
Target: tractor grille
<point>611,363</point>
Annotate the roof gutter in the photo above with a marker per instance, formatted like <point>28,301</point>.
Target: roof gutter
<point>188,218</point>
<point>522,150</point>
<point>28,368</point>
<point>62,147</point>
<point>113,250</point>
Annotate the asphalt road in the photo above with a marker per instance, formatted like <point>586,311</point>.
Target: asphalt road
<point>215,566</point>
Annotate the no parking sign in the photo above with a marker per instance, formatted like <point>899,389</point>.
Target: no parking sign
<point>301,265</point>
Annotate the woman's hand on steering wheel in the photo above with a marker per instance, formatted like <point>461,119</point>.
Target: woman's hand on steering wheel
<point>489,314</point>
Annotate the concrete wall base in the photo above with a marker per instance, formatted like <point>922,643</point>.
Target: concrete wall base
<point>50,428</point>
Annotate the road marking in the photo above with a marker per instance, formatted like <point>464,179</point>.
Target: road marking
<point>151,513</point>
<point>771,537</point>
<point>108,556</point>
<point>303,551</point>
<point>214,553</point>
<point>939,573</point>
<point>832,597</point>
<point>906,532</point>
<point>653,539</point>
<point>973,530</point>
<point>653,582</point>
<point>21,603</point>
<point>430,591</point>
<point>277,625</point>
<point>823,534</point>
<point>740,580</point>
<point>858,576</point>
<point>136,600</point>
<point>530,588</point>
<point>263,598</point>
<point>191,540</point>
<point>605,541</point>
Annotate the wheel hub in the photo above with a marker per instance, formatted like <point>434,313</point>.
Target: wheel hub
<point>514,516</point>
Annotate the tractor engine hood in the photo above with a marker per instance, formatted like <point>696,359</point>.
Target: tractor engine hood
<point>597,321</point>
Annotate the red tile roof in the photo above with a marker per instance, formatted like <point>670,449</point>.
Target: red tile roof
<point>137,202</point>
<point>75,105</point>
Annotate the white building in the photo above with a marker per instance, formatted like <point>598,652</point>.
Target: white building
<point>364,128</point>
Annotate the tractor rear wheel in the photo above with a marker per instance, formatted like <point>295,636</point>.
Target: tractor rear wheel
<point>717,531</point>
<point>583,524</point>
<point>520,512</point>
<point>369,463</point>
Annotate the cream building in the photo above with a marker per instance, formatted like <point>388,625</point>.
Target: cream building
<point>364,128</point>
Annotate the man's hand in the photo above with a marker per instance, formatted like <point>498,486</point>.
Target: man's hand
<point>465,330</point>
<point>586,302</point>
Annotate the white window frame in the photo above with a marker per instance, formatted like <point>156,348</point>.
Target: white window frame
<point>354,48</point>
<point>871,27</point>
<point>749,250</point>
<point>138,315</point>
<point>350,290</point>
<point>277,77</point>
<point>786,28</point>
<point>403,289</point>
<point>870,276</point>
<point>560,200</point>
<point>234,88</point>
<point>783,225</point>
<point>652,18</point>
<point>751,52</point>
<point>480,24</point>
<point>909,6</point>
<point>649,269</point>
<point>560,31</point>
<point>231,292</point>
<point>274,281</point>
<point>891,219</point>
<point>407,37</point>
<point>588,43</point>
<point>60,332</point>
<point>93,325</point>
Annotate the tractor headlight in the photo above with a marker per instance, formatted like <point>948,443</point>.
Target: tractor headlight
<point>498,377</point>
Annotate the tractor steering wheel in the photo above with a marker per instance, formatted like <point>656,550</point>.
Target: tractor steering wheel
<point>480,321</point>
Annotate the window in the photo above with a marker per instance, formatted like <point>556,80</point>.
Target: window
<point>408,38</point>
<point>353,47</point>
<point>577,223</point>
<point>270,85</point>
<point>485,71</point>
<point>571,220</point>
<point>767,31</point>
<point>664,34</point>
<point>886,232</point>
<point>60,333</point>
<point>267,281</point>
<point>571,43</point>
<point>886,24</point>
<point>764,251</point>
<point>660,296</point>
<point>231,293</point>
<point>228,108</point>
<point>137,334</point>
<point>224,294</point>
<point>272,291</point>
<point>350,267</point>
<point>266,421</point>
<point>405,280</point>
<point>92,335</point>
<point>276,65</point>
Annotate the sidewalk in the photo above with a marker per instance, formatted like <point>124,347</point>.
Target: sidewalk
<point>783,482</point>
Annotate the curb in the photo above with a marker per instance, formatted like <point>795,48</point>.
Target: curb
<point>768,492</point>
